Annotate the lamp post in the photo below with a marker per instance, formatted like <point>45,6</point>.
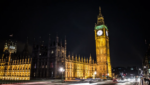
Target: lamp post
<point>139,71</point>
<point>62,70</point>
<point>107,75</point>
<point>95,73</point>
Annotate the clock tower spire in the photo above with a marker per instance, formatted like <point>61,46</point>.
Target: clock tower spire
<point>100,14</point>
<point>102,48</point>
<point>100,18</point>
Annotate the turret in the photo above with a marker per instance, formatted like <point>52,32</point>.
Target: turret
<point>76,58</point>
<point>15,62</point>
<point>39,46</point>
<point>28,60</point>
<point>57,40</point>
<point>16,46</point>
<point>60,43</point>
<point>23,61</point>
<point>82,59</point>
<point>20,61</point>
<point>90,59</point>
<point>79,58</point>
<point>65,45</point>
<point>69,56</point>
<point>9,57</point>
<point>2,57</point>
<point>49,42</point>
<point>87,60</point>
<point>5,46</point>
<point>72,57</point>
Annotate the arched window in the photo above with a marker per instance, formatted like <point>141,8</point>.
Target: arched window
<point>101,43</point>
<point>100,74</point>
<point>104,68</point>
<point>66,65</point>
<point>67,74</point>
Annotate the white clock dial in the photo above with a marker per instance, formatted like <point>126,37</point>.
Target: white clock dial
<point>99,32</point>
<point>106,33</point>
<point>12,47</point>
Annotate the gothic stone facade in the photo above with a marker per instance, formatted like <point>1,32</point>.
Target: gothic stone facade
<point>47,61</point>
<point>14,66</point>
<point>76,67</point>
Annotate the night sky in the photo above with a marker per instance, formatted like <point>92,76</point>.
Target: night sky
<point>127,21</point>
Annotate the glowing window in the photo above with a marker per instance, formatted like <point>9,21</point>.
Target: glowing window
<point>52,52</point>
<point>35,66</point>
<point>12,47</point>
<point>34,74</point>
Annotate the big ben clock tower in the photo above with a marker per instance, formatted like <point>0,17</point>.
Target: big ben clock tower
<point>102,48</point>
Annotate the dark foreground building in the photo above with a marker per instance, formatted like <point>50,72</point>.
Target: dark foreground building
<point>146,62</point>
<point>132,71</point>
<point>119,71</point>
<point>122,72</point>
<point>46,60</point>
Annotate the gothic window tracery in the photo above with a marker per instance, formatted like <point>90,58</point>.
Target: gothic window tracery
<point>104,68</point>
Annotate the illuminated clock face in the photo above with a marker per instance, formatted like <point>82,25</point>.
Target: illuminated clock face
<point>106,33</point>
<point>99,32</point>
<point>12,47</point>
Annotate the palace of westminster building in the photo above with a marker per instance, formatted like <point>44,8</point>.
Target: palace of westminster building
<point>46,60</point>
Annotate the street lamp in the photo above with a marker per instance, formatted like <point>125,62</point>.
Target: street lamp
<point>95,73</point>
<point>62,70</point>
<point>139,71</point>
<point>107,75</point>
